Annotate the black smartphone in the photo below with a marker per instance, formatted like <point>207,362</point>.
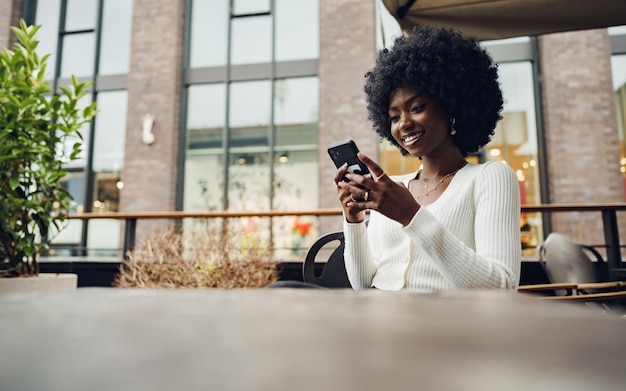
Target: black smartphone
<point>346,152</point>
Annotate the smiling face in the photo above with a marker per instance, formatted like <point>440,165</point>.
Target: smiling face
<point>418,123</point>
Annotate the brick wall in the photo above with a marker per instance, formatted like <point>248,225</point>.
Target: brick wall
<point>154,87</point>
<point>347,52</point>
<point>580,128</point>
<point>10,11</point>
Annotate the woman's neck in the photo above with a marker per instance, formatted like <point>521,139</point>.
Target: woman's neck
<point>440,166</point>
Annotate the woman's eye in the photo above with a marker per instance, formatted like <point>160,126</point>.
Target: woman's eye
<point>394,118</point>
<point>418,108</point>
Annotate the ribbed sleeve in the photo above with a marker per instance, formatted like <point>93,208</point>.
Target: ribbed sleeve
<point>362,260</point>
<point>468,238</point>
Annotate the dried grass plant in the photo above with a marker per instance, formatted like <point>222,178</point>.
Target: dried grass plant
<point>201,257</point>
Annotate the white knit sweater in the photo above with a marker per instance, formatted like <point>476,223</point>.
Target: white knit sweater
<point>468,238</point>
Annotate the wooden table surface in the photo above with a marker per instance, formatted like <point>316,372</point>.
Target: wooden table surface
<point>305,339</point>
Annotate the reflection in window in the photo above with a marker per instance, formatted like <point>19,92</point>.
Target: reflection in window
<point>206,114</point>
<point>209,27</point>
<point>108,161</point>
<point>249,118</point>
<point>77,38</point>
<point>107,191</point>
<point>79,49</point>
<point>74,184</point>
<point>81,15</point>
<point>296,181</point>
<point>264,161</point>
<point>104,234</point>
<point>296,102</point>
<point>77,57</point>
<point>48,18</point>
<point>250,105</point>
<point>297,27</point>
<point>248,180</point>
<point>618,67</point>
<point>295,163</point>
<point>116,32</point>
<point>243,7</point>
<point>515,143</point>
<point>84,131</point>
<point>251,40</point>
<point>110,131</point>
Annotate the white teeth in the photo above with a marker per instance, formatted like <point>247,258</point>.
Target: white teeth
<point>412,137</point>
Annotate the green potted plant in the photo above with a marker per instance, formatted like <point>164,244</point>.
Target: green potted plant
<point>36,127</point>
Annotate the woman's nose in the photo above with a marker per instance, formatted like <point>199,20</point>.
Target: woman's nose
<point>405,121</point>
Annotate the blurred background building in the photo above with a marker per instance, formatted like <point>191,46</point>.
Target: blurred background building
<point>231,104</point>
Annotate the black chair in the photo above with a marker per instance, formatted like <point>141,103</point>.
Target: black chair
<point>574,276</point>
<point>333,274</point>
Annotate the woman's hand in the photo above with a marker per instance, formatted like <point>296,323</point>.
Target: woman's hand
<point>377,192</point>
<point>352,212</point>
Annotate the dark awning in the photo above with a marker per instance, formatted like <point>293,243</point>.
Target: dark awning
<point>497,19</point>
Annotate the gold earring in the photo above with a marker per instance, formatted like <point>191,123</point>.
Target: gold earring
<point>452,128</point>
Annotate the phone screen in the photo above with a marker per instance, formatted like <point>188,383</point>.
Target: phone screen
<point>346,152</point>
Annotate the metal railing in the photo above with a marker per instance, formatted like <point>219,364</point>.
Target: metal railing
<point>607,211</point>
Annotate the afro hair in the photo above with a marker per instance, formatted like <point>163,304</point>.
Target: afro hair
<point>447,67</point>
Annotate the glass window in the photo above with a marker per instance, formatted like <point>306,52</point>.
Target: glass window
<point>104,234</point>
<point>204,181</point>
<point>243,7</point>
<point>74,183</point>
<point>297,30</point>
<point>296,173</point>
<point>78,56</point>
<point>79,36</point>
<point>206,114</point>
<point>204,168</point>
<point>296,101</point>
<point>249,106</point>
<point>104,238</point>
<point>251,40</point>
<point>116,32</point>
<point>84,131</point>
<point>81,15</point>
<point>515,143</point>
<point>108,161</point>
<point>209,29</point>
<point>249,119</point>
<point>48,18</point>
<point>296,106</point>
<point>107,186</point>
<point>248,180</point>
<point>110,131</point>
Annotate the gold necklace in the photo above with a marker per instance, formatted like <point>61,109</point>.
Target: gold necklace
<point>438,183</point>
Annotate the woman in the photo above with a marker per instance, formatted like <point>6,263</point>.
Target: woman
<point>453,224</point>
